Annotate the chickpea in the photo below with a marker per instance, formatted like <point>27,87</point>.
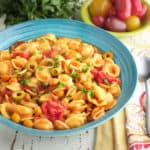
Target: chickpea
<point>28,123</point>
<point>5,77</point>
<point>15,117</point>
<point>43,124</point>
<point>37,111</point>
<point>27,97</point>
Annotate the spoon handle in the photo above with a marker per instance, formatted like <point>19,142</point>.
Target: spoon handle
<point>148,106</point>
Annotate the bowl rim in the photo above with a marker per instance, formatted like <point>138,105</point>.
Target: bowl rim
<point>85,16</point>
<point>87,126</point>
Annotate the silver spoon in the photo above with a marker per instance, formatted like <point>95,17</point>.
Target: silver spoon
<point>143,66</point>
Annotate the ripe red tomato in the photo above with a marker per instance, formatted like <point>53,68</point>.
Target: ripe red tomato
<point>143,11</point>
<point>115,24</point>
<point>98,20</point>
<point>25,55</point>
<point>123,8</point>
<point>136,7</point>
<point>53,109</point>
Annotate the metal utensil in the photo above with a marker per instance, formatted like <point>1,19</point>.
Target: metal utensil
<point>143,66</point>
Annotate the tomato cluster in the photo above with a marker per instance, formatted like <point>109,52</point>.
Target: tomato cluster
<point>118,15</point>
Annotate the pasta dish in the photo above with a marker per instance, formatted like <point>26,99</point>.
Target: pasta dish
<point>57,83</point>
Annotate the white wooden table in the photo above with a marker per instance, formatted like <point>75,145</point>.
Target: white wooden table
<point>11,139</point>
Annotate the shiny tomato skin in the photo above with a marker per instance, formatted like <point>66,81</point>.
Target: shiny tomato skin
<point>123,8</point>
<point>143,12</point>
<point>100,7</point>
<point>114,24</point>
<point>133,23</point>
<point>136,7</point>
<point>98,21</point>
<point>112,12</point>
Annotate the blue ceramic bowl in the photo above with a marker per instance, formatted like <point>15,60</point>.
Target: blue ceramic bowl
<point>90,34</point>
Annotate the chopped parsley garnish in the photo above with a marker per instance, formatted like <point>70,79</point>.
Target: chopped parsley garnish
<point>89,92</point>
<point>69,95</point>
<point>74,75</point>
<point>50,63</point>
<point>18,75</point>
<point>33,89</point>
<point>79,59</point>
<point>42,40</point>
<point>40,68</point>
<point>24,81</point>
<point>84,90</point>
<point>60,85</point>
<point>86,68</point>
<point>56,64</point>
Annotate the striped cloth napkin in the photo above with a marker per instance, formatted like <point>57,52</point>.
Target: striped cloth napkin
<point>127,130</point>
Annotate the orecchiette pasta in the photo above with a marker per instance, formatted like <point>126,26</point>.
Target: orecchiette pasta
<point>114,89</point>
<point>5,55</point>
<point>42,74</point>
<point>60,125</point>
<point>19,62</point>
<point>74,121</point>
<point>4,68</point>
<point>98,61</point>
<point>43,124</point>
<point>86,50</point>
<point>8,108</point>
<point>112,70</point>
<point>13,86</point>
<point>97,112</point>
<point>57,83</point>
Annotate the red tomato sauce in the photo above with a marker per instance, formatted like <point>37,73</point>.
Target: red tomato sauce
<point>53,109</point>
